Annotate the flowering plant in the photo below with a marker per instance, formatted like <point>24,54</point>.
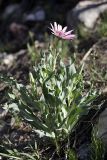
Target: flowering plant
<point>53,102</point>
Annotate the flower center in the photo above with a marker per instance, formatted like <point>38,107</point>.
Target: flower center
<point>59,33</point>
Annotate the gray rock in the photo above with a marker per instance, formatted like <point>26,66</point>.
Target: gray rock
<point>38,14</point>
<point>10,9</point>
<point>102,126</point>
<point>2,113</point>
<point>84,152</point>
<point>8,60</point>
<point>86,12</point>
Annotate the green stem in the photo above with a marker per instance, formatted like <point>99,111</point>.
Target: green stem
<point>57,145</point>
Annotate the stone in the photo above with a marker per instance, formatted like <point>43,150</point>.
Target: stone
<point>8,60</point>
<point>102,126</point>
<point>38,14</point>
<point>86,12</point>
<point>84,152</point>
<point>2,113</point>
<point>10,9</point>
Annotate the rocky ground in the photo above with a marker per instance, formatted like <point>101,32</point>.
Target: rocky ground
<point>24,22</point>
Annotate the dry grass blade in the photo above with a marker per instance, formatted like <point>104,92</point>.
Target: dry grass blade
<point>87,54</point>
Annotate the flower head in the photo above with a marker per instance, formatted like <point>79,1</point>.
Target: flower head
<point>58,31</point>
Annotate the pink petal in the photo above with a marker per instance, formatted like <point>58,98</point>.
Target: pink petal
<point>69,37</point>
<point>64,29</point>
<point>55,26</point>
<point>52,26</point>
<point>52,29</point>
<point>59,27</point>
<point>55,34</point>
<point>69,32</point>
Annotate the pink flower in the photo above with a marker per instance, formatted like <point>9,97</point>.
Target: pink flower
<point>58,31</point>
